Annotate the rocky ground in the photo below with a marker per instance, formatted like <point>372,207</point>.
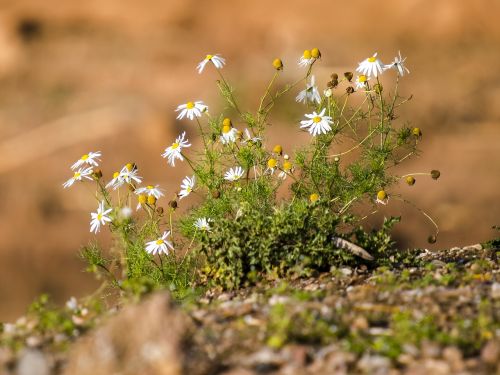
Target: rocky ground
<point>439,317</point>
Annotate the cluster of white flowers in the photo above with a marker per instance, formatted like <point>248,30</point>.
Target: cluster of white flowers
<point>316,123</point>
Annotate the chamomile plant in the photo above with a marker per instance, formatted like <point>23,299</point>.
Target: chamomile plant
<point>242,229</point>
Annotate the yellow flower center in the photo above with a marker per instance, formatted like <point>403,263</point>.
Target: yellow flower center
<point>76,175</point>
<point>130,166</point>
<point>150,187</point>
<point>174,145</point>
<point>381,195</point>
<point>317,119</point>
<point>189,189</point>
<point>85,157</point>
<point>226,122</point>
<point>159,242</point>
<point>314,197</point>
<point>209,57</point>
<point>372,59</point>
<point>315,53</point>
<point>226,129</point>
<point>362,78</point>
<point>278,149</point>
<point>271,163</point>
<point>116,174</point>
<point>99,216</point>
<point>189,105</point>
<point>287,166</point>
<point>307,54</point>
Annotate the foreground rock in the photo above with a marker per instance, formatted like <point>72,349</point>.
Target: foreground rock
<point>145,339</point>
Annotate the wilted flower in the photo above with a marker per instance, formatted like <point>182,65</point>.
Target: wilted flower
<point>99,218</point>
<point>175,150</point>
<point>214,59</point>
<point>317,123</point>
<point>309,94</point>
<point>161,245</point>
<point>399,65</point>
<point>382,197</point>
<point>190,110</point>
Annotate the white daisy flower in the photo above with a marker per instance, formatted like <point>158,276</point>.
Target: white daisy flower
<point>234,174</point>
<point>99,218</point>
<point>317,123</point>
<point>129,174</point>
<point>72,304</point>
<point>306,58</point>
<point>229,135</point>
<point>203,224</point>
<point>175,150</point>
<point>78,176</point>
<point>399,65</point>
<point>371,66</point>
<point>309,94</point>
<point>116,182</point>
<point>187,186</point>
<point>155,191</point>
<point>215,59</point>
<point>190,110</point>
<point>161,245</point>
<point>90,159</point>
<point>361,81</point>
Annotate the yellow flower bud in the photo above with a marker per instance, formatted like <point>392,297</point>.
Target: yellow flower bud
<point>287,166</point>
<point>381,195</point>
<point>142,198</point>
<point>410,180</point>
<point>416,132</point>
<point>116,174</point>
<point>151,200</point>
<point>278,150</point>
<point>315,53</point>
<point>314,197</point>
<point>130,166</point>
<point>307,54</point>
<point>278,64</point>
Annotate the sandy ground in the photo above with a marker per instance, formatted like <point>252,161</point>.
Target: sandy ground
<point>107,75</point>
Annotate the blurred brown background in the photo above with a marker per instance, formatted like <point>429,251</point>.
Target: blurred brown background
<point>79,76</point>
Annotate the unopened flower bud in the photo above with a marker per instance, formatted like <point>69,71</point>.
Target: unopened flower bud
<point>349,90</point>
<point>348,76</point>
<point>159,210</point>
<point>151,200</point>
<point>410,180</point>
<point>215,194</point>
<point>416,132</point>
<point>381,195</point>
<point>334,77</point>
<point>278,64</point>
<point>97,173</point>
<point>131,166</point>
<point>314,197</point>
<point>315,53</point>
<point>378,88</point>
<point>172,204</point>
<point>435,174</point>
<point>432,239</point>
<point>286,157</point>
<point>336,159</point>
<point>278,150</point>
